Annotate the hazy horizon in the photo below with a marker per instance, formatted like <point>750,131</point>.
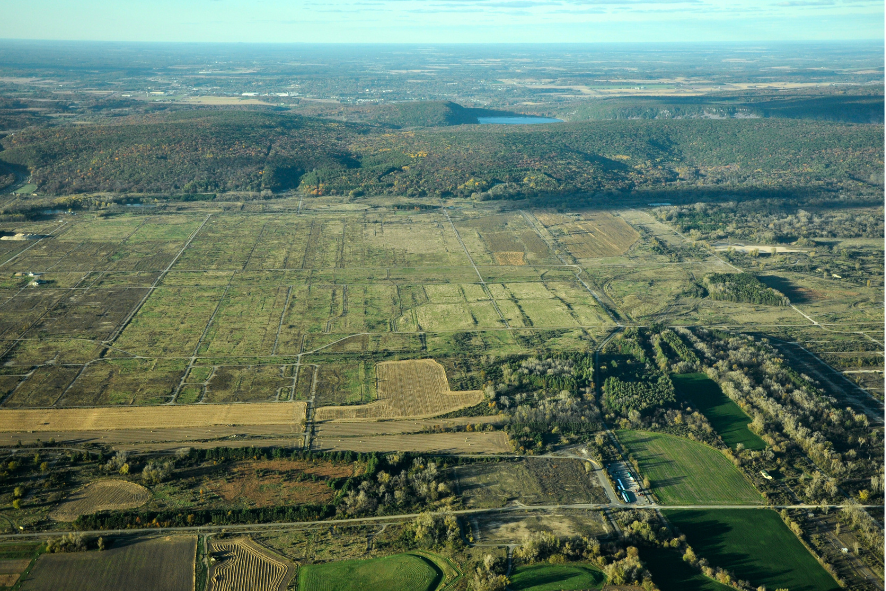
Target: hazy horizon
<point>450,21</point>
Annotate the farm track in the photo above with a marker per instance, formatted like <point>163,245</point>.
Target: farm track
<point>265,527</point>
<point>476,270</point>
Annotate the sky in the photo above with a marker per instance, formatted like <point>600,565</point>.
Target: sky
<point>442,21</point>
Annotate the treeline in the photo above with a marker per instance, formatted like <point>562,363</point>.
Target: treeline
<point>222,151</point>
<point>742,287</point>
<point>848,108</point>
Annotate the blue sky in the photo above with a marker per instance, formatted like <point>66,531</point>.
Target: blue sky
<point>441,21</point>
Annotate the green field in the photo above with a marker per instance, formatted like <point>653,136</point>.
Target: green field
<point>671,573</point>
<point>406,572</point>
<point>725,416</point>
<point>684,472</point>
<point>755,545</point>
<point>556,577</point>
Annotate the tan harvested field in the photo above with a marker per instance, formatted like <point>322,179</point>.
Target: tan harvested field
<point>494,443</point>
<point>509,258</point>
<point>160,564</point>
<point>9,579</point>
<point>11,570</point>
<point>103,495</point>
<point>129,417</point>
<point>414,388</point>
<point>243,564</point>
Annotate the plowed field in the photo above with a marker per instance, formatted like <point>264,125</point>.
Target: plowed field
<point>243,564</point>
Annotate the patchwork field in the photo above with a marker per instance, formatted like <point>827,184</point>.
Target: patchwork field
<point>755,545</point>
<point>160,564</point>
<point>590,235</point>
<point>101,495</point>
<point>417,388</point>
<point>725,416</point>
<point>684,472</point>
<point>243,564</point>
<point>167,417</point>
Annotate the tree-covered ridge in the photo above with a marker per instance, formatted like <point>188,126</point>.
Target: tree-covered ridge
<point>215,151</point>
<point>742,287</point>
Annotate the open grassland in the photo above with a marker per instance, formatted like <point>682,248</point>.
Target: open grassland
<point>161,564</point>
<point>755,545</point>
<point>400,572</point>
<point>416,388</point>
<point>101,495</point>
<point>243,564</point>
<point>556,577</point>
<point>167,417</point>
<point>507,527</point>
<point>725,416</point>
<point>684,472</point>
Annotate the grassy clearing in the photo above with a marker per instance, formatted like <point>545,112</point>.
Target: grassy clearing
<point>685,472</point>
<point>755,545</point>
<point>556,577</point>
<point>725,416</point>
<point>406,572</point>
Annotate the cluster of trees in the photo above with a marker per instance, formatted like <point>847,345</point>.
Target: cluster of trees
<point>622,397</point>
<point>393,482</point>
<point>789,410</point>
<point>215,151</point>
<point>742,287</point>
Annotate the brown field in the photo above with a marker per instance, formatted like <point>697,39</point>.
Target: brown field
<point>11,570</point>
<point>160,564</point>
<point>103,495</point>
<point>270,483</point>
<point>509,258</point>
<point>494,442</point>
<point>415,388</point>
<point>88,419</point>
<point>600,235</point>
<point>243,564</point>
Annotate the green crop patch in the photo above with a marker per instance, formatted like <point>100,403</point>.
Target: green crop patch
<point>684,472</point>
<point>401,572</point>
<point>556,577</point>
<point>671,573</point>
<point>725,416</point>
<point>755,545</point>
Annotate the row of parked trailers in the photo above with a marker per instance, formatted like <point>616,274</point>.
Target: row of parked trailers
<point>626,483</point>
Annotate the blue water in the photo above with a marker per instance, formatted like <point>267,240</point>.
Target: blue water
<point>516,120</point>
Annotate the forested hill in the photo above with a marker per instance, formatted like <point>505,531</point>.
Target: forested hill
<point>219,151</point>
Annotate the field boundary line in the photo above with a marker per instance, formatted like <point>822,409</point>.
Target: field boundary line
<point>52,234</point>
<point>162,274</point>
<point>476,270</point>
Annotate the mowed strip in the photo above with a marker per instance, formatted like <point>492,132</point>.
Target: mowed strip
<point>414,388</point>
<point>684,472</point>
<point>167,417</point>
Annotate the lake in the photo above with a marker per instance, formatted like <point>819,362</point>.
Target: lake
<point>516,120</point>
